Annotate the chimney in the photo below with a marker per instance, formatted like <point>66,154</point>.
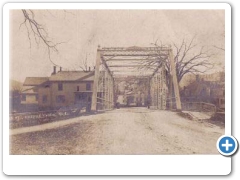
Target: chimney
<point>89,69</point>
<point>54,70</point>
<point>60,69</point>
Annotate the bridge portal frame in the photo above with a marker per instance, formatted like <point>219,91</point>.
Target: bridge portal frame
<point>104,76</point>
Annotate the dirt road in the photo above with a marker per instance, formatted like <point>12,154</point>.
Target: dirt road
<point>121,131</point>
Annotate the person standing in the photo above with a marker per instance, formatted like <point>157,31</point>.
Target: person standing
<point>148,101</point>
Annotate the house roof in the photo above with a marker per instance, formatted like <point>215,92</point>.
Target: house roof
<point>29,90</point>
<point>60,76</point>
<point>34,81</point>
<point>72,76</point>
<point>26,88</point>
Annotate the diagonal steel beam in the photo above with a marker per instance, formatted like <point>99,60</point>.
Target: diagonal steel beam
<point>160,64</point>
<point>105,64</point>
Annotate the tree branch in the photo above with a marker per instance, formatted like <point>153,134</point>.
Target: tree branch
<point>39,33</point>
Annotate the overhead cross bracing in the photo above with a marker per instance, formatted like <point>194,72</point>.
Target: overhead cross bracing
<point>139,62</point>
<point>133,60</point>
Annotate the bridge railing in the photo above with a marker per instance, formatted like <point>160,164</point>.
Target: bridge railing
<point>203,107</point>
<point>101,104</point>
<point>207,108</point>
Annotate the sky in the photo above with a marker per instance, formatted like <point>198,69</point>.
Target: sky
<point>82,31</point>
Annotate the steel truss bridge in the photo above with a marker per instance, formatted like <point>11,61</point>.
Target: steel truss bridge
<point>139,62</point>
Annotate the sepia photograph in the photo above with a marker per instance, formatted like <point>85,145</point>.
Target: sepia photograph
<point>116,81</point>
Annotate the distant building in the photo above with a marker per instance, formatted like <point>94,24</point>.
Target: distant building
<point>214,77</point>
<point>121,99</point>
<point>132,91</point>
<point>205,89</point>
<point>62,88</point>
<point>29,98</point>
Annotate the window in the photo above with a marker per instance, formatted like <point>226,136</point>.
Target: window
<point>77,88</point>
<point>44,98</point>
<point>23,97</point>
<point>60,99</point>
<point>36,97</point>
<point>82,96</point>
<point>88,86</point>
<point>60,86</point>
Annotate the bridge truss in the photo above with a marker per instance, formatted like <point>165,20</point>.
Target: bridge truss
<point>139,62</point>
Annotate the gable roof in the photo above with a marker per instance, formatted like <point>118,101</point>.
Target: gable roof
<point>72,76</point>
<point>29,90</point>
<point>34,81</point>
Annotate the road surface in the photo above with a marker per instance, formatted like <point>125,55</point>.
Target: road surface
<point>120,131</point>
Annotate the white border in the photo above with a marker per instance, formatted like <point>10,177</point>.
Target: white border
<point>114,165</point>
<point>117,6</point>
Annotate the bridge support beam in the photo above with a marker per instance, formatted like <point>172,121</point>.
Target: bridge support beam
<point>158,88</point>
<point>95,83</point>
<point>175,81</point>
<point>170,92</point>
<point>103,90</point>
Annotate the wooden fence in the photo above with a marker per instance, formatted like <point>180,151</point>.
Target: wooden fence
<point>35,118</point>
<point>204,107</point>
<point>199,107</point>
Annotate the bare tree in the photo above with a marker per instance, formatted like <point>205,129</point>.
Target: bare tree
<point>85,64</point>
<point>37,31</point>
<point>15,86</point>
<point>188,59</point>
<point>218,47</point>
<point>195,63</point>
